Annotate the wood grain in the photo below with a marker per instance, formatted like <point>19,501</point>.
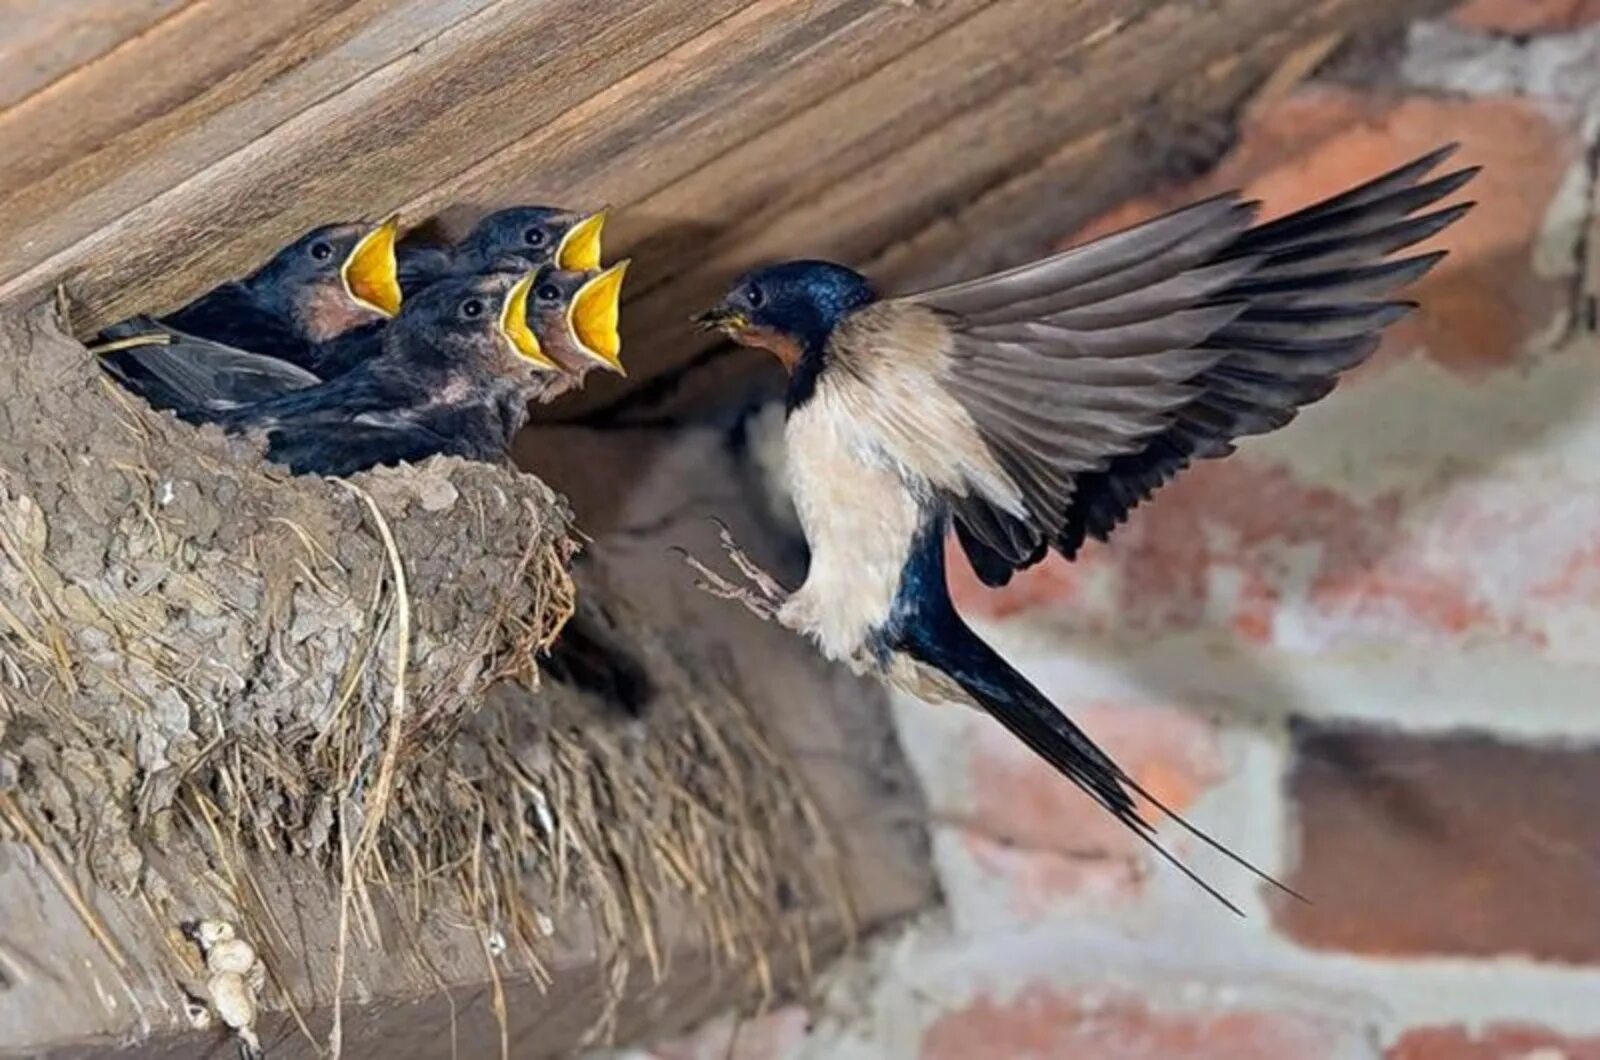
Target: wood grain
<point>96,179</point>
<point>418,120</point>
<point>724,132</point>
<point>44,39</point>
<point>760,66</point>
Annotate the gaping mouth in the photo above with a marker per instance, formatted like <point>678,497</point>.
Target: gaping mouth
<point>580,247</point>
<point>514,325</point>
<point>593,317</point>
<point>371,274</point>
<point>722,318</point>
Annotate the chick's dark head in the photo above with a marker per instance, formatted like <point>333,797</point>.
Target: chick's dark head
<point>538,235</point>
<point>332,279</point>
<point>789,308</point>
<point>474,323</point>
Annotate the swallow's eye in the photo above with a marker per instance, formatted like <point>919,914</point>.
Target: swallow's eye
<point>472,307</point>
<point>755,296</point>
<point>548,292</point>
<point>322,250</point>
<point>534,237</point>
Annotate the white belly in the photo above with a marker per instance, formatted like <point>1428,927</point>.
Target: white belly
<point>859,519</point>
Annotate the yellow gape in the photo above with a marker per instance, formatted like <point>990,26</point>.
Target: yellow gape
<point>594,313</point>
<point>371,274</point>
<point>514,325</point>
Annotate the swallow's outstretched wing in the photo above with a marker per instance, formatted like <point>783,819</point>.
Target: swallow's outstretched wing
<point>1096,375</point>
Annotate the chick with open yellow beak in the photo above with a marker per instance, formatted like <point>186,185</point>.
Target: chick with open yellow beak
<point>315,310</point>
<point>535,235</point>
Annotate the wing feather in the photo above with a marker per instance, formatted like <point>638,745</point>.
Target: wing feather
<point>1095,375</point>
<point>188,374</point>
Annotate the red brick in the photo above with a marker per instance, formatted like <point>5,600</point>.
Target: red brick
<point>1257,523</point>
<point>1032,884</point>
<point>1020,799</point>
<point>1444,844</point>
<point>1483,302</point>
<point>1527,16</point>
<point>1499,1042</point>
<point>1041,1023</point>
<point>1033,828</point>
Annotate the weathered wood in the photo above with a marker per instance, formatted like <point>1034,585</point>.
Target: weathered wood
<point>158,83</point>
<point>760,66</point>
<point>479,85</point>
<point>45,39</point>
<point>140,161</point>
<point>724,131</point>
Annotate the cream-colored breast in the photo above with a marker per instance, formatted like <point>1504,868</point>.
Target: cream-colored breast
<point>859,518</point>
<point>897,355</point>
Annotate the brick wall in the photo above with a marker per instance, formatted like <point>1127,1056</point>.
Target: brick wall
<point>1365,652</point>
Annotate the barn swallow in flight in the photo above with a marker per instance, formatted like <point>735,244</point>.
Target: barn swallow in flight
<point>457,371</point>
<point>538,235</point>
<point>1034,408</point>
<point>333,284</point>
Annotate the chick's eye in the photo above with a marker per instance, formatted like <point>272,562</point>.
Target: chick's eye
<point>534,237</point>
<point>472,307</point>
<point>548,293</point>
<point>755,296</point>
<point>322,250</point>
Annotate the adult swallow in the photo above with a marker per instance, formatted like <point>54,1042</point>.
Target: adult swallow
<point>1034,408</point>
<point>334,282</point>
<point>458,369</point>
<point>537,235</point>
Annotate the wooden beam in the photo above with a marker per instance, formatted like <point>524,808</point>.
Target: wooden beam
<point>46,39</point>
<point>416,121</point>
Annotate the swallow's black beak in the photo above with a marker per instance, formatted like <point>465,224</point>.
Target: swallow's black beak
<point>721,318</point>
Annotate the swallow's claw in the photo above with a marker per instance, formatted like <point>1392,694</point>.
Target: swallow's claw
<point>762,601</point>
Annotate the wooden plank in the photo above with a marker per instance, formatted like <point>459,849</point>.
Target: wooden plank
<point>659,123</point>
<point>873,188</point>
<point>112,137</point>
<point>760,66</point>
<point>417,121</point>
<point>44,39</point>
<point>205,50</point>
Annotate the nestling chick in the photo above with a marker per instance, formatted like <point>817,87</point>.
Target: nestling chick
<point>575,315</point>
<point>312,312</point>
<point>328,283</point>
<point>536,235</point>
<point>1033,409</point>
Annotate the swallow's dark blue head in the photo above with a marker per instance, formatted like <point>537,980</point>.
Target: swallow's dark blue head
<point>791,309</point>
<point>539,235</point>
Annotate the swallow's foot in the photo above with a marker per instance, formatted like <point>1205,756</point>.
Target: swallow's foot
<point>765,583</point>
<point>763,597</point>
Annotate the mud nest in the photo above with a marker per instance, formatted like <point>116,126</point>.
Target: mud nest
<point>205,659</point>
